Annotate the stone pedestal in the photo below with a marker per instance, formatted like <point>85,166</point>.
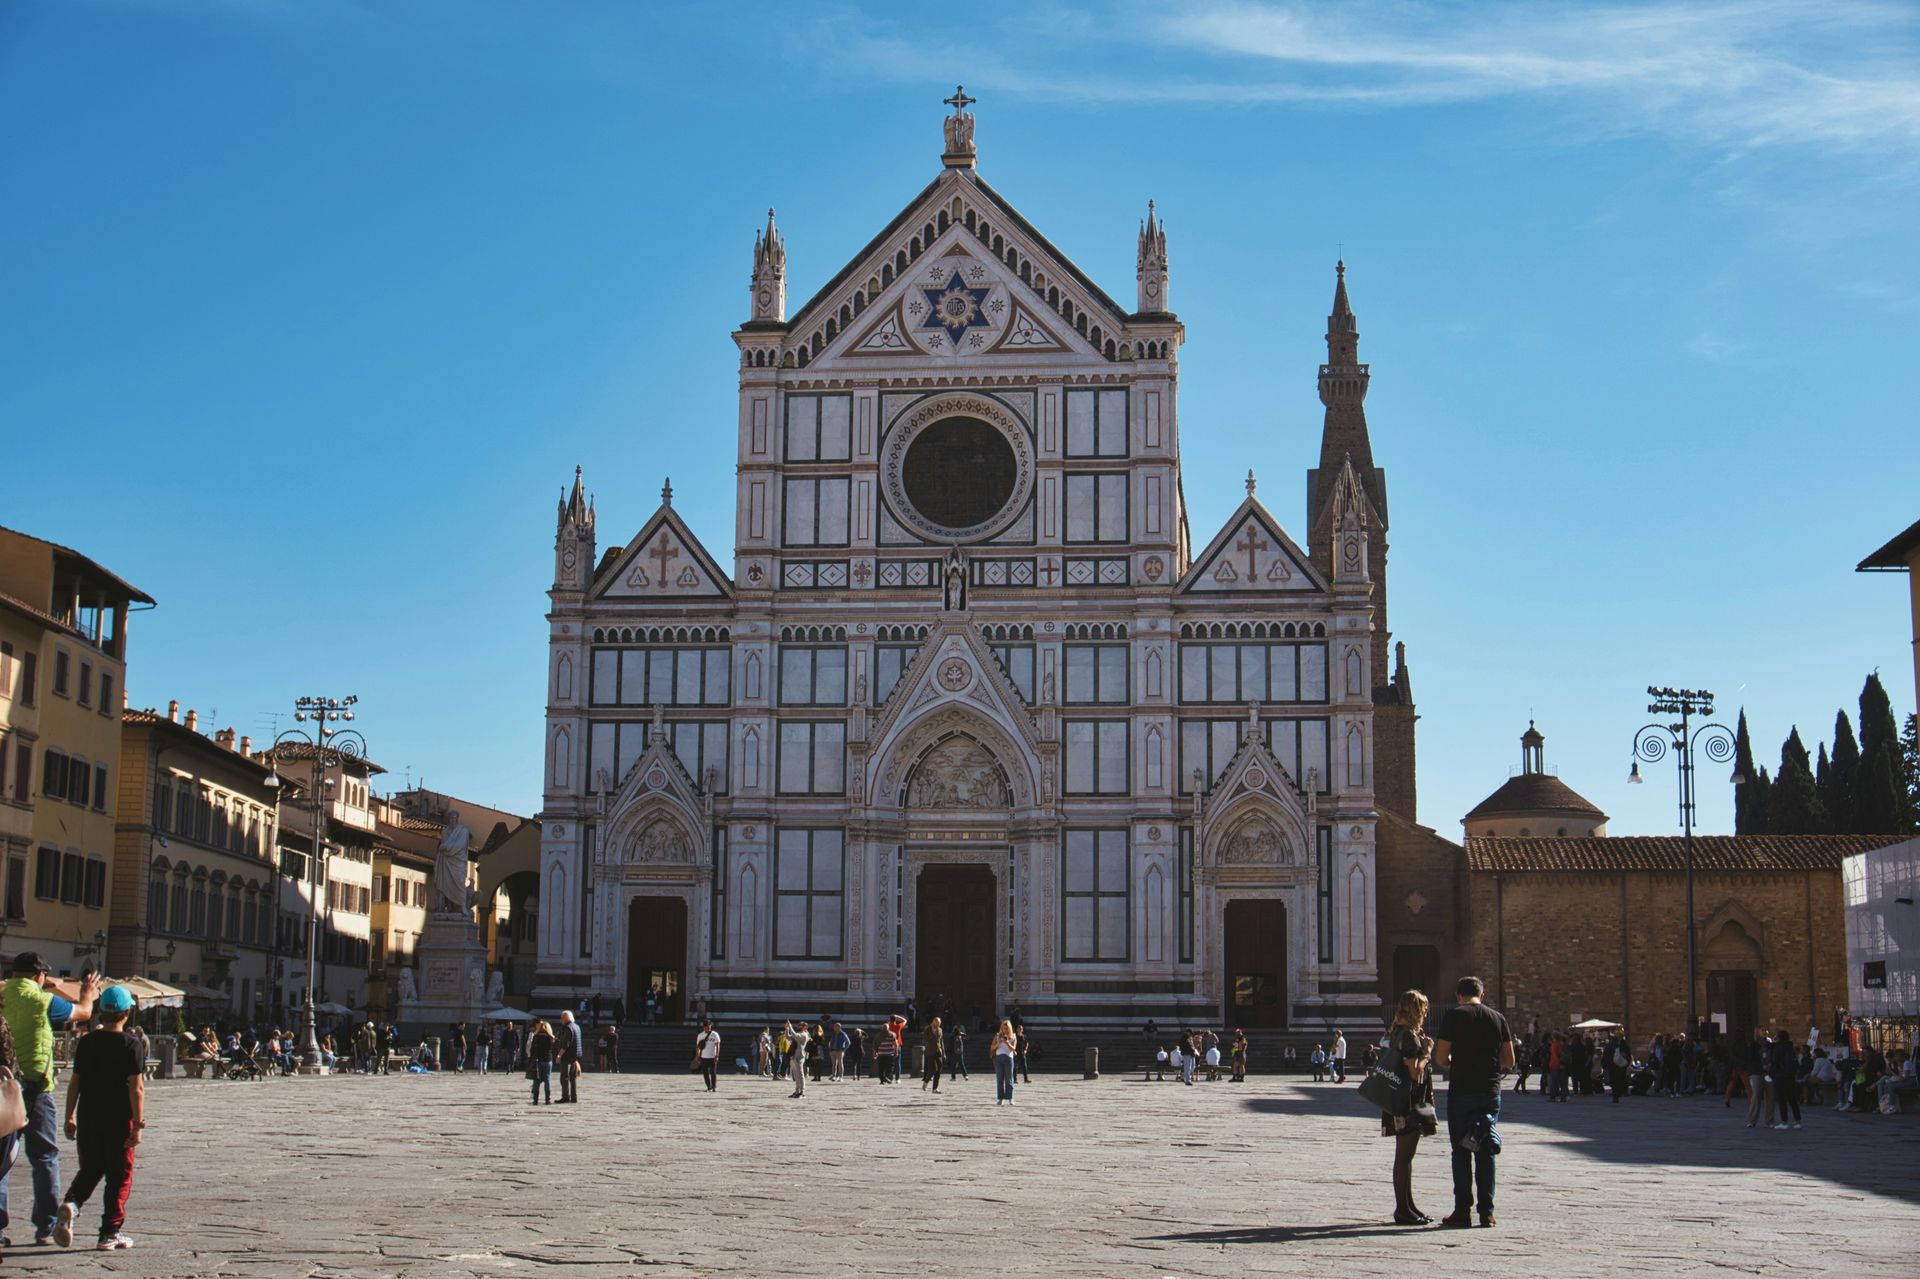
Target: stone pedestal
<point>450,964</point>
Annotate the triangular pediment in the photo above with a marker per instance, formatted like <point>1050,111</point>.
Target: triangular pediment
<point>657,813</point>
<point>1252,555</point>
<point>955,678</point>
<point>958,274</point>
<point>1255,814</point>
<point>665,562</point>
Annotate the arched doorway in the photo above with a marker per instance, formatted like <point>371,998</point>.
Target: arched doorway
<point>954,942</point>
<point>1256,964</point>
<point>657,955</point>
<point>516,932</point>
<point>1731,957</point>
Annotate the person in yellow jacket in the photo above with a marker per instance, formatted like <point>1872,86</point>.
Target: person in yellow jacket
<point>32,1009</point>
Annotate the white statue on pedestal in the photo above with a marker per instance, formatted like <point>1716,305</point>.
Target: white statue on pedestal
<point>409,993</point>
<point>450,866</point>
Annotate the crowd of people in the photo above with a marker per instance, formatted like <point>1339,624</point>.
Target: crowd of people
<point>827,1051</point>
<point>1197,1054</point>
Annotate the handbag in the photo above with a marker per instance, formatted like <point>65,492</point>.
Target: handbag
<point>13,1105</point>
<point>1387,1085</point>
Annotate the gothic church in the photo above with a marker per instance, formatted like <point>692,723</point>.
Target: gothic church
<point>966,715</point>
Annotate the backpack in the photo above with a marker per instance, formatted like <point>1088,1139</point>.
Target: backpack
<point>1620,1056</point>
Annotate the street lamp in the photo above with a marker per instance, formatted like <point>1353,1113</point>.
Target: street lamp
<point>1652,743</point>
<point>331,747</point>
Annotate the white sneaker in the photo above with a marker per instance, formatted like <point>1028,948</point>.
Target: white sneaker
<point>113,1243</point>
<point>63,1226</point>
<point>1796,1126</point>
<point>1777,1127</point>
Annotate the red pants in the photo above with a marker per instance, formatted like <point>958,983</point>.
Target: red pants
<point>104,1155</point>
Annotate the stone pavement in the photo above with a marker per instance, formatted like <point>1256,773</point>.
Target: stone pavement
<point>427,1176</point>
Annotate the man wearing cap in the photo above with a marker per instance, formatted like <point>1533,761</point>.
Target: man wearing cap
<point>32,1010</point>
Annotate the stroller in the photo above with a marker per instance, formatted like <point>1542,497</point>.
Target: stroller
<point>243,1063</point>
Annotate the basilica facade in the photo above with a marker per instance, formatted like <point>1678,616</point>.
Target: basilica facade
<point>966,714</point>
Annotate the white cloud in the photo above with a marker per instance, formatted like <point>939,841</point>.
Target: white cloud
<point>1738,75</point>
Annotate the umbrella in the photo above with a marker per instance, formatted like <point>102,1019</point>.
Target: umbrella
<point>331,1009</point>
<point>506,1014</point>
<point>1594,1023</point>
<point>152,993</point>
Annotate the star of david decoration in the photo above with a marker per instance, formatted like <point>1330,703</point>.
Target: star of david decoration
<point>956,308</point>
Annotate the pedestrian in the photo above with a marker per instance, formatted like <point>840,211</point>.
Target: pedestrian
<point>1212,1053</point>
<point>32,1010</point>
<point>799,1036</point>
<point>857,1050</point>
<point>1177,1060</point>
<point>383,1047</point>
<point>1185,1058</point>
<point>1415,1119</point>
<point>1523,1059</point>
<point>1025,1054</point>
<point>1337,1058</point>
<point>957,1052</point>
<point>1002,1050</point>
<point>611,1039</point>
<point>572,1052</point>
<point>1618,1062</point>
<point>763,1047</point>
<point>540,1044</point>
<point>1473,1045</point>
<point>109,1076</point>
<point>935,1049</point>
<point>1240,1047</point>
<point>482,1049</point>
<point>457,1046</point>
<point>1318,1060</point>
<point>706,1055</point>
<point>1786,1079</point>
<point>837,1045</point>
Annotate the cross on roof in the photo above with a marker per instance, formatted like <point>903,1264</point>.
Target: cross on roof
<point>959,101</point>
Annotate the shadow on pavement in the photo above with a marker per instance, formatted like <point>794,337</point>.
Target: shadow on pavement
<point>1282,1234</point>
<point>1862,1152</point>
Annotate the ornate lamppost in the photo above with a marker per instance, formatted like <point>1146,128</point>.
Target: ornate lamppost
<point>330,748</point>
<point>1716,742</point>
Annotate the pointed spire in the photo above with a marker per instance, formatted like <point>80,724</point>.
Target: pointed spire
<point>1251,482</point>
<point>574,510</point>
<point>769,287</point>
<point>1151,265</point>
<point>1342,309</point>
<point>666,492</point>
<point>1349,498</point>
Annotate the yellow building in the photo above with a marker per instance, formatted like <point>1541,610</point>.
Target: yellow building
<point>403,854</point>
<point>73,682</point>
<point>194,884</point>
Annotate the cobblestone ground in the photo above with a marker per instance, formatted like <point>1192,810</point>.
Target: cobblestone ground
<point>1118,1177</point>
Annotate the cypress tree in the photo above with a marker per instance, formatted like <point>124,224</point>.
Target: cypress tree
<point>1822,782</point>
<point>1746,820</point>
<point>1836,792</point>
<point>1881,805</point>
<point>1793,806</point>
<point>1910,759</point>
<point>1759,801</point>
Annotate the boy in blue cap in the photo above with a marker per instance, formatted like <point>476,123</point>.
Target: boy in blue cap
<point>109,1073</point>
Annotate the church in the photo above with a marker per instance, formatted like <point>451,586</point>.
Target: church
<point>967,716</point>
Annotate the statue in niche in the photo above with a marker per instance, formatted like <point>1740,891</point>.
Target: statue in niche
<point>958,773</point>
<point>409,993</point>
<point>955,597</point>
<point>496,988</point>
<point>1255,844</point>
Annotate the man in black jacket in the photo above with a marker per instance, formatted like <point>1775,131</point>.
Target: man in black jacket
<point>1473,1045</point>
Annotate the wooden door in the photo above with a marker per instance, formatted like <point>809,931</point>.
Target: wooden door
<point>657,954</point>
<point>1256,965</point>
<point>954,949</point>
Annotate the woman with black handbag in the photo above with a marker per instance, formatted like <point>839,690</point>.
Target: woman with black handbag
<point>1415,1118</point>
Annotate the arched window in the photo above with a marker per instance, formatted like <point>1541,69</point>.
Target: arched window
<point>179,912</point>
<point>233,916</point>
<point>157,902</point>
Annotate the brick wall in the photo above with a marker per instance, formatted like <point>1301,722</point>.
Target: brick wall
<point>1613,944</point>
<point>1420,879</point>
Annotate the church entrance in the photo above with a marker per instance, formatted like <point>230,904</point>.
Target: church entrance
<point>954,943</point>
<point>1256,965</point>
<point>657,955</point>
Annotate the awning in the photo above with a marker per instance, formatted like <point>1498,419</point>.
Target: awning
<point>206,994</point>
<point>506,1014</point>
<point>151,993</point>
<point>1594,1023</point>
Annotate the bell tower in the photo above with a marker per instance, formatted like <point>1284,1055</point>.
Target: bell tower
<point>573,542</point>
<point>1151,267</point>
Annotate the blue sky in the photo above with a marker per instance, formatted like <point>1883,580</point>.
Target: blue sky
<point>309,309</point>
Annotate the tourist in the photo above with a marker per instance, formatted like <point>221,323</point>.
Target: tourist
<point>540,1044</point>
<point>957,1052</point>
<point>383,1047</point>
<point>1821,1077</point>
<point>573,1051</point>
<point>1618,1062</point>
<point>1318,1061</point>
<point>1337,1058</point>
<point>763,1049</point>
<point>1899,1081</point>
<point>1159,1067</point>
<point>109,1074</point>
<point>1150,1031</point>
<point>1025,1053</point>
<point>1406,1126</point>
<point>327,1055</point>
<point>1002,1050</point>
<point>837,1045</point>
<point>1523,1060</point>
<point>32,1010</point>
<point>1784,1066</point>
<point>706,1055</point>
<point>799,1037</point>
<point>1240,1047</point>
<point>1212,1054</point>
<point>1179,1061</point>
<point>1473,1045</point>
<point>935,1050</point>
<point>457,1045</point>
<point>1557,1056</point>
